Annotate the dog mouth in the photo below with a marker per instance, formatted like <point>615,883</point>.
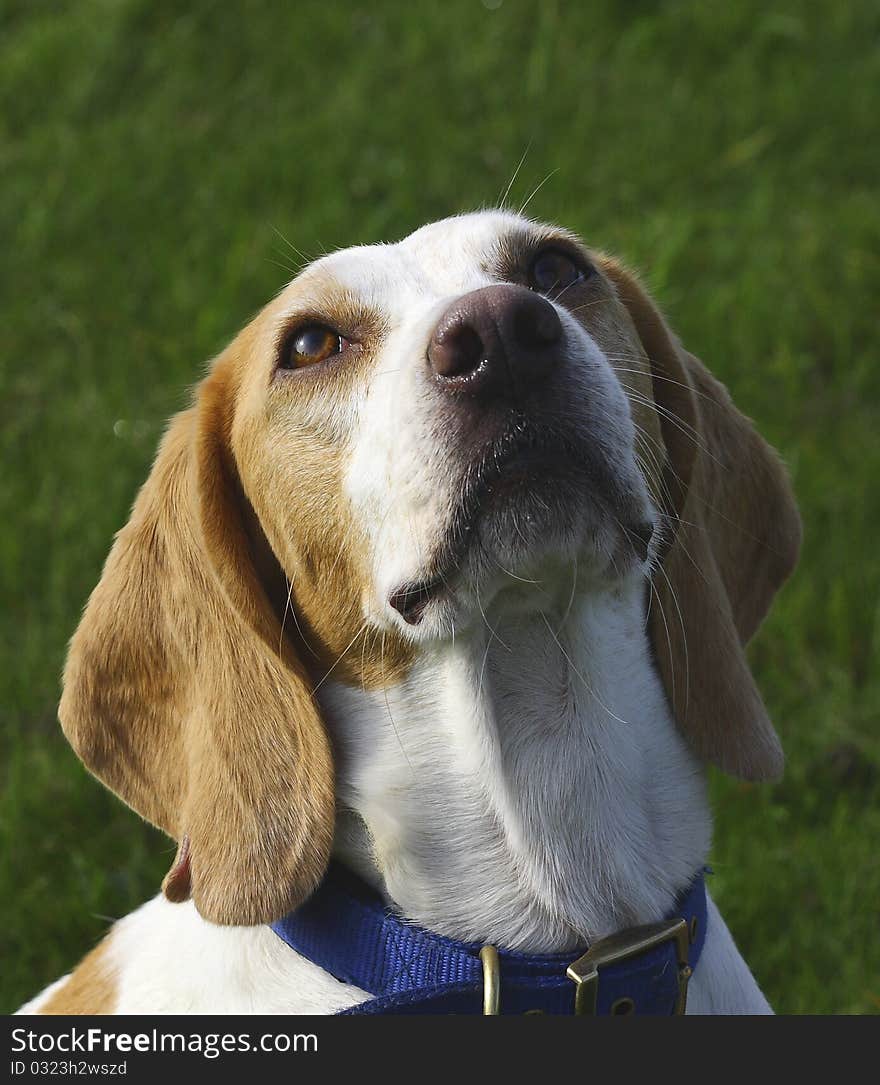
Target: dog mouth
<point>529,473</point>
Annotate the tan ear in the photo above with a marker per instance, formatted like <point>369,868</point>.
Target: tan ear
<point>182,697</point>
<point>733,538</point>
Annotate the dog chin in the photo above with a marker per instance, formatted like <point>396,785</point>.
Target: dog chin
<point>530,549</point>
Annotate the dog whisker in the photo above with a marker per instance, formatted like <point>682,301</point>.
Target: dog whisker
<point>503,201</point>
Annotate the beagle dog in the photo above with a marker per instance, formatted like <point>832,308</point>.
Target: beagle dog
<point>447,572</point>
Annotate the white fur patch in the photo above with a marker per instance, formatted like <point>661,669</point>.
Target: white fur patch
<point>171,961</point>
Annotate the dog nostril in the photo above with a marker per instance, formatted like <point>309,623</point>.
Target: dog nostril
<point>458,351</point>
<point>537,325</point>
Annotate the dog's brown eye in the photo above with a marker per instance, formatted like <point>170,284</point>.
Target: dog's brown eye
<point>553,270</point>
<point>311,344</point>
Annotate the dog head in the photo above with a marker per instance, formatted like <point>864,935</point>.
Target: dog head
<point>396,437</point>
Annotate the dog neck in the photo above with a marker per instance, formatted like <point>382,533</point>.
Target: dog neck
<point>526,784</point>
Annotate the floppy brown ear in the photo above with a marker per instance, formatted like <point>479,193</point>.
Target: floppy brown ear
<point>182,697</point>
<point>733,538</point>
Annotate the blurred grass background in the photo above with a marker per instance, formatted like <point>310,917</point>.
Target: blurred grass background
<point>152,152</point>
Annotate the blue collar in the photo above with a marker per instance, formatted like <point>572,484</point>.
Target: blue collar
<point>347,930</point>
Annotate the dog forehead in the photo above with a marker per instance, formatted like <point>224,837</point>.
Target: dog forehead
<point>457,243</point>
<point>440,258</point>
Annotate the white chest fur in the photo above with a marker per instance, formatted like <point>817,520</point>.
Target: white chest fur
<point>526,784</point>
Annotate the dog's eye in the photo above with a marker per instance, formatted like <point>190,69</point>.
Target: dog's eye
<point>310,344</point>
<point>553,270</point>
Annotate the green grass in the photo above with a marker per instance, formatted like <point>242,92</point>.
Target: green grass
<point>149,152</point>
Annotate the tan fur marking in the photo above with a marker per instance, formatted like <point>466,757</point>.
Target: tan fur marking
<point>91,988</point>
<point>291,458</point>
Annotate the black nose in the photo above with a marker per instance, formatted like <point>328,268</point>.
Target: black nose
<point>495,341</point>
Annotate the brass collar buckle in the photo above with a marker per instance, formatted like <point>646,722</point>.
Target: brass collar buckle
<point>585,970</point>
<point>620,947</point>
